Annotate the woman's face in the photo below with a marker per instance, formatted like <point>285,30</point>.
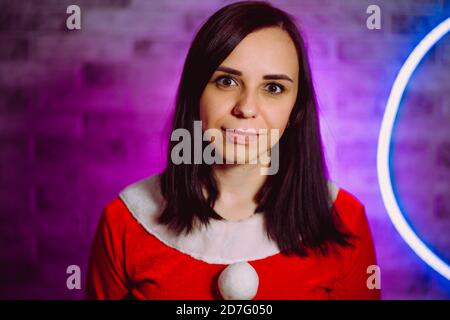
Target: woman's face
<point>254,88</point>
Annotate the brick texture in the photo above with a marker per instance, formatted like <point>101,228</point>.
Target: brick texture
<point>82,114</point>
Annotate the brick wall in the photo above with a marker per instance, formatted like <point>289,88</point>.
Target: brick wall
<point>82,115</point>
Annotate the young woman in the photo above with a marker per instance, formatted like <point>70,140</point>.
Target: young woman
<point>237,229</point>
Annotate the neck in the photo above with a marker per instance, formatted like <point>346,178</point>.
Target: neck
<point>238,182</point>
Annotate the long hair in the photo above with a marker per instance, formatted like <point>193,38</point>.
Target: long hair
<point>296,200</point>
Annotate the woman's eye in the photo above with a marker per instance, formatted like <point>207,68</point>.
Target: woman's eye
<point>274,88</point>
<point>225,81</point>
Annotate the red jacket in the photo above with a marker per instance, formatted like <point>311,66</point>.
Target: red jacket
<point>129,259</point>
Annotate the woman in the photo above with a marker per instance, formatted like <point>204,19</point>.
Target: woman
<point>237,228</point>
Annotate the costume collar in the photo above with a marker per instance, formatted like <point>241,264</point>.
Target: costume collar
<point>222,242</point>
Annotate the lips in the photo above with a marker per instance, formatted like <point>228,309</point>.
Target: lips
<point>249,132</point>
<point>241,135</point>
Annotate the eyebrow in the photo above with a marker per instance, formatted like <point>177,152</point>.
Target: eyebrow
<point>265,77</point>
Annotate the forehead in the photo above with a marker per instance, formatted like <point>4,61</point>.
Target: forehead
<point>266,51</point>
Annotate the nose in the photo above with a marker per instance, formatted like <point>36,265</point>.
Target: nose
<point>246,106</point>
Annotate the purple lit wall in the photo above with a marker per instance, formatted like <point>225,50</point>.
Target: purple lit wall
<point>82,115</point>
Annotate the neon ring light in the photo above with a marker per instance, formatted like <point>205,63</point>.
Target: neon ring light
<point>384,139</point>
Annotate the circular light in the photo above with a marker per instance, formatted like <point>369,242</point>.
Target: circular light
<point>384,139</point>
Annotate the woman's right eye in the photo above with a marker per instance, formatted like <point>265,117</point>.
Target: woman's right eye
<point>225,81</point>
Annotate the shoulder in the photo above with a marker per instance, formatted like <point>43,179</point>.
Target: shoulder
<point>350,210</point>
<point>347,200</point>
<point>137,198</point>
<point>143,198</point>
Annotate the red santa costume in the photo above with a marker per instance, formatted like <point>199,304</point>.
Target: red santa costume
<point>134,256</point>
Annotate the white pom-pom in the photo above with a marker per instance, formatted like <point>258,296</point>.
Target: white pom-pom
<point>238,281</point>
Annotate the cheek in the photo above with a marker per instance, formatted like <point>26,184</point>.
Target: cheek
<point>203,106</point>
<point>206,110</point>
<point>213,107</point>
<point>277,117</point>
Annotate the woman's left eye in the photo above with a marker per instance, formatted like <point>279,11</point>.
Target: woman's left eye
<point>275,88</point>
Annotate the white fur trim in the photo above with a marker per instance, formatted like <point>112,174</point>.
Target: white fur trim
<point>222,242</point>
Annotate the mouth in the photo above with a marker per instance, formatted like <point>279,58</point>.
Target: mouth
<point>240,135</point>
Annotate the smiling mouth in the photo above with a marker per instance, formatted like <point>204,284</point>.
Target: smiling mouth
<point>241,136</point>
<point>239,131</point>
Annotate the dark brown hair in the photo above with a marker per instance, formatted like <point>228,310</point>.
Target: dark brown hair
<point>296,200</point>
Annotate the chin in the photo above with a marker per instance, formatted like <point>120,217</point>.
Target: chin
<point>243,154</point>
